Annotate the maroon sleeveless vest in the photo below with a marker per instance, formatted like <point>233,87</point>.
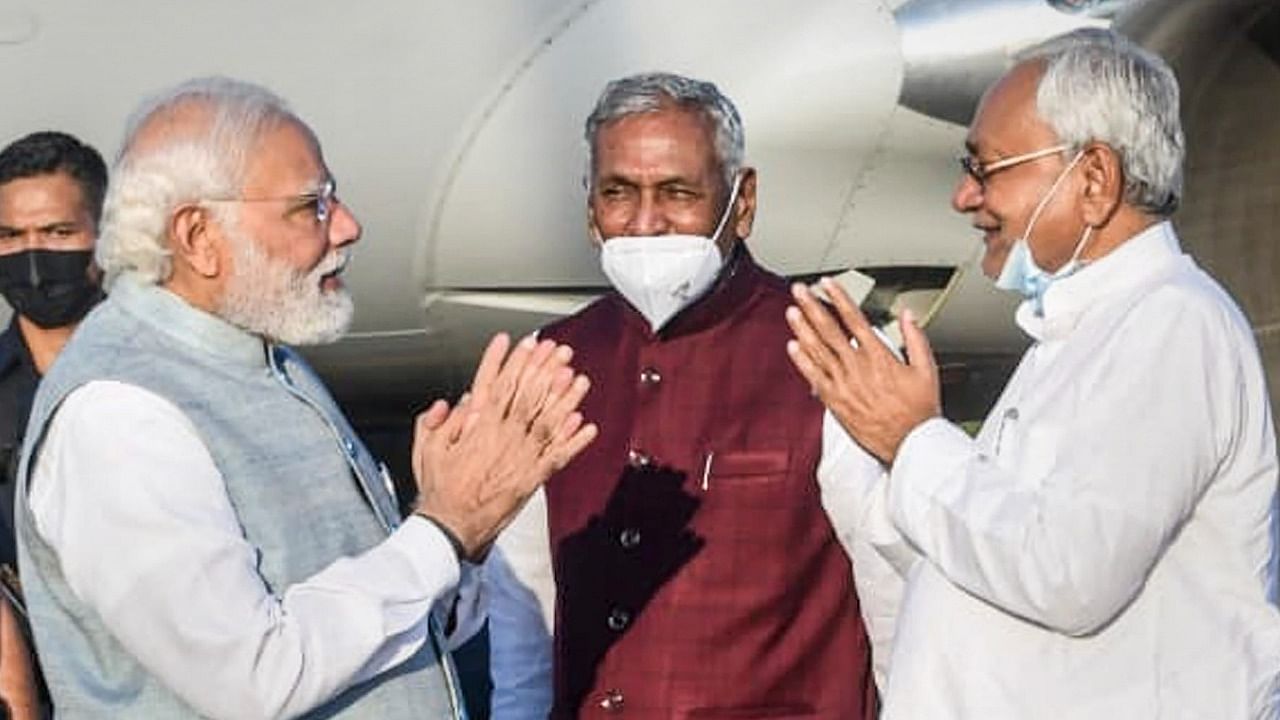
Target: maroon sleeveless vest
<point>697,573</point>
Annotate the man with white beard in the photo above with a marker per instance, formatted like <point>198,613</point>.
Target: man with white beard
<point>202,534</point>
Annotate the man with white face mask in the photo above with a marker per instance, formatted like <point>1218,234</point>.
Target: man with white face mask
<point>1106,546</point>
<point>685,565</point>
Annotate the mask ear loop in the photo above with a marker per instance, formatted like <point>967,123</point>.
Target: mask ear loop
<point>728,209</point>
<point>1085,237</point>
<point>1044,202</point>
<point>1084,240</point>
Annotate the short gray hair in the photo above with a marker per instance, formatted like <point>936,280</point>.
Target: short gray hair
<point>648,92</point>
<point>1099,86</point>
<point>210,128</point>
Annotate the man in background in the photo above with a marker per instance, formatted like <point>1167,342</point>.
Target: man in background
<point>51,190</point>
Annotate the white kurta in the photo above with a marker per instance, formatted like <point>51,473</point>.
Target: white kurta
<point>126,492</point>
<point>1107,546</point>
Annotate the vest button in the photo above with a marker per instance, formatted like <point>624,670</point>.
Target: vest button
<point>638,459</point>
<point>612,701</point>
<point>619,619</point>
<point>629,538</point>
<point>649,376</point>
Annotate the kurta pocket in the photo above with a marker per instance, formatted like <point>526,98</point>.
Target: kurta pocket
<point>755,465</point>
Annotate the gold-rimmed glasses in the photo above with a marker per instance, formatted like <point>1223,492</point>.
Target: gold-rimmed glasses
<point>980,171</point>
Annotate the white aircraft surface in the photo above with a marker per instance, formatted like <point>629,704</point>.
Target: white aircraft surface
<point>454,129</point>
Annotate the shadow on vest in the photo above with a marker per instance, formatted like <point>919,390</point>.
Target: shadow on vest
<point>608,572</point>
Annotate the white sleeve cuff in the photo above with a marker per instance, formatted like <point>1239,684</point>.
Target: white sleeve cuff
<point>923,472</point>
<point>429,551</point>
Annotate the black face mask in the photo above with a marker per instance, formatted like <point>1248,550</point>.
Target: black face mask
<point>51,288</point>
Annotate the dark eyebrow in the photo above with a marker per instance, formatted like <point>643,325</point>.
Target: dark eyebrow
<point>63,225</point>
<point>615,180</point>
<point>677,181</point>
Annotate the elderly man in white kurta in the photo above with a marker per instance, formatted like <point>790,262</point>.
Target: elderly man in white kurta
<point>1106,546</point>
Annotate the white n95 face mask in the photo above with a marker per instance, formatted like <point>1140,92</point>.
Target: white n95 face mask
<point>660,275</point>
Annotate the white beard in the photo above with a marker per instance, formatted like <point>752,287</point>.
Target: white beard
<point>268,297</point>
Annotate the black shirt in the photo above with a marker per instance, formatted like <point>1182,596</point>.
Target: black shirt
<point>18,380</point>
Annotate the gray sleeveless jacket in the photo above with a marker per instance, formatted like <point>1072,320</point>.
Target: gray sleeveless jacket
<point>305,490</point>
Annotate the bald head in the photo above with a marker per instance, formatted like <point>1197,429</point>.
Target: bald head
<point>184,120</point>
<point>225,117</point>
<point>1007,122</point>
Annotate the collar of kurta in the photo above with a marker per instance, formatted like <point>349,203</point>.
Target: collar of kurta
<point>1135,263</point>
<point>170,314</point>
<point>730,292</point>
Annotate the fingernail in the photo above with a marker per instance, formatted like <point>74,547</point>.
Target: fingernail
<point>528,342</point>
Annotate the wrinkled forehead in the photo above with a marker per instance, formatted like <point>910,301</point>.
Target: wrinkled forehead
<point>285,159</point>
<point>42,196</point>
<point>665,116</point>
<point>668,135</point>
<point>194,120</point>
<point>180,121</point>
<point>1007,113</point>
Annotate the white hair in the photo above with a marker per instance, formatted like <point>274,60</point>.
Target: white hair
<point>209,127</point>
<point>1098,86</point>
<point>649,92</point>
<point>269,297</point>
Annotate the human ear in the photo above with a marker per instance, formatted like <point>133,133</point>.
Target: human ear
<point>593,230</point>
<point>193,240</point>
<point>1104,183</point>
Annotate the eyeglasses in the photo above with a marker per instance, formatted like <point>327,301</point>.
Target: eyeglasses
<point>980,171</point>
<point>321,202</point>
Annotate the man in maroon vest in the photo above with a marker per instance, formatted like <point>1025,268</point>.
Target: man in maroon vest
<point>695,570</point>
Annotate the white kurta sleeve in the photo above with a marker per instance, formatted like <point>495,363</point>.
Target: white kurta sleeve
<point>126,494</point>
<point>1067,534</point>
<point>521,593</point>
<point>854,493</point>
